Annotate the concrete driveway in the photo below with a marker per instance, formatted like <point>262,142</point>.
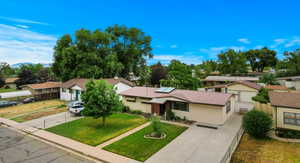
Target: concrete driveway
<point>15,94</point>
<point>18,148</point>
<point>199,145</point>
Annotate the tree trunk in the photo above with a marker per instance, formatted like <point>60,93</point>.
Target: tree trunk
<point>103,121</point>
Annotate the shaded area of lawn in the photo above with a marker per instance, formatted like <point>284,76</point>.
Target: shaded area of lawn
<point>25,109</point>
<point>91,131</point>
<point>137,147</point>
<point>251,150</point>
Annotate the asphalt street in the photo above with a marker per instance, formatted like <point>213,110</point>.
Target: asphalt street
<point>18,148</point>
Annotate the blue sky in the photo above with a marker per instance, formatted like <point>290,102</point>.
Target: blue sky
<point>191,31</point>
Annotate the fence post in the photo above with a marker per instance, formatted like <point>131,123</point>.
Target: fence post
<point>65,116</point>
<point>44,123</point>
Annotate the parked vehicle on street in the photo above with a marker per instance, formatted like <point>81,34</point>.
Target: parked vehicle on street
<point>7,103</point>
<point>75,107</point>
<point>28,100</point>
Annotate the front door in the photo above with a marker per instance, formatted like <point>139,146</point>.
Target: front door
<point>162,109</point>
<point>77,93</point>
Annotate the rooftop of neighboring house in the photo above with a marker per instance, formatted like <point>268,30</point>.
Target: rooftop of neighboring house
<point>44,85</point>
<point>10,80</point>
<point>289,78</point>
<point>190,96</point>
<point>285,99</point>
<point>276,87</point>
<point>82,81</point>
<point>230,78</point>
<point>246,83</point>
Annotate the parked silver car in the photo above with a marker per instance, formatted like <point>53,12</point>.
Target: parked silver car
<point>75,107</point>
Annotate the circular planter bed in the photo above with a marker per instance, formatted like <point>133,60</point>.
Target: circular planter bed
<point>155,136</point>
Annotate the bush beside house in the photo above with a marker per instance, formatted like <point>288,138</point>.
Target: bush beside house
<point>257,123</point>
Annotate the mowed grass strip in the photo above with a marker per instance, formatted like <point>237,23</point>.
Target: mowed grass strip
<point>22,109</point>
<point>4,90</point>
<point>251,150</point>
<point>91,131</point>
<point>137,147</point>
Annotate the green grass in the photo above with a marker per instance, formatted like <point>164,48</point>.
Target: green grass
<point>91,131</point>
<point>2,90</point>
<point>135,146</point>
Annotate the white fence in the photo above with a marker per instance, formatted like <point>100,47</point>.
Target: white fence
<point>233,146</point>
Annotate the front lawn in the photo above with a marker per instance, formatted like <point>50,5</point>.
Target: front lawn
<point>22,110</point>
<point>137,147</point>
<point>90,131</point>
<point>251,150</point>
<point>3,90</point>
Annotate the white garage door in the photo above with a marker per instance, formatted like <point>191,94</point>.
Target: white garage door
<point>247,96</point>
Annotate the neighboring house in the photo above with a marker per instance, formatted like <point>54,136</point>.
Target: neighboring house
<point>217,80</point>
<point>44,91</point>
<point>286,109</point>
<point>290,82</point>
<point>277,88</point>
<point>71,90</point>
<point>11,83</point>
<point>205,107</point>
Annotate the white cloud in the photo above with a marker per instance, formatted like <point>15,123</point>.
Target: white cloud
<point>278,42</point>
<point>293,42</point>
<point>22,45</point>
<point>173,46</point>
<point>23,20</point>
<point>214,51</point>
<point>186,58</point>
<point>244,40</point>
<point>22,26</point>
<point>258,46</point>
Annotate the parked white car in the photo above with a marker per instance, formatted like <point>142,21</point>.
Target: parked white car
<point>75,107</point>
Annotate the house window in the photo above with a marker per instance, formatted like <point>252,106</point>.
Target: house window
<point>291,118</point>
<point>130,99</point>
<point>228,106</point>
<point>182,106</point>
<point>70,91</point>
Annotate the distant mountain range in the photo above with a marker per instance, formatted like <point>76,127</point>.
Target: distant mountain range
<point>17,65</point>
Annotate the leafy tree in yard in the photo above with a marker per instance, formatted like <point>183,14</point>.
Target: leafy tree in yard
<point>117,50</point>
<point>209,66</point>
<point>100,100</point>
<point>293,62</point>
<point>269,79</point>
<point>262,96</point>
<point>6,70</point>
<point>45,75</point>
<point>158,72</point>
<point>180,76</point>
<point>2,82</point>
<point>26,77</point>
<point>231,62</point>
<point>261,58</point>
<point>257,123</point>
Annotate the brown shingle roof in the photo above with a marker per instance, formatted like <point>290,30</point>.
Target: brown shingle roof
<point>44,85</point>
<point>249,84</point>
<point>285,99</point>
<point>230,78</point>
<point>212,98</point>
<point>276,87</point>
<point>82,81</point>
<point>11,80</point>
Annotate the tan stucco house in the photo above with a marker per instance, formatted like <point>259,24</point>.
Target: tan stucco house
<point>217,80</point>
<point>290,82</point>
<point>11,83</point>
<point>44,91</point>
<point>286,109</point>
<point>205,107</point>
<point>71,90</point>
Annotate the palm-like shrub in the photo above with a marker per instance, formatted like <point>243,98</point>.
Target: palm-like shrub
<point>156,126</point>
<point>257,123</point>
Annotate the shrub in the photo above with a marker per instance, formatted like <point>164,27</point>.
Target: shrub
<point>170,115</point>
<point>156,126</point>
<point>286,133</point>
<point>125,109</point>
<point>136,112</point>
<point>257,123</point>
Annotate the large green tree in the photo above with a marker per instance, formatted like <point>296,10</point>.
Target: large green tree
<point>100,100</point>
<point>293,62</point>
<point>231,62</point>
<point>261,58</point>
<point>6,70</point>
<point>180,76</point>
<point>116,51</point>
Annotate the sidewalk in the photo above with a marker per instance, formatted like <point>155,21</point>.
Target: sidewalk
<point>94,152</point>
<point>123,135</point>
